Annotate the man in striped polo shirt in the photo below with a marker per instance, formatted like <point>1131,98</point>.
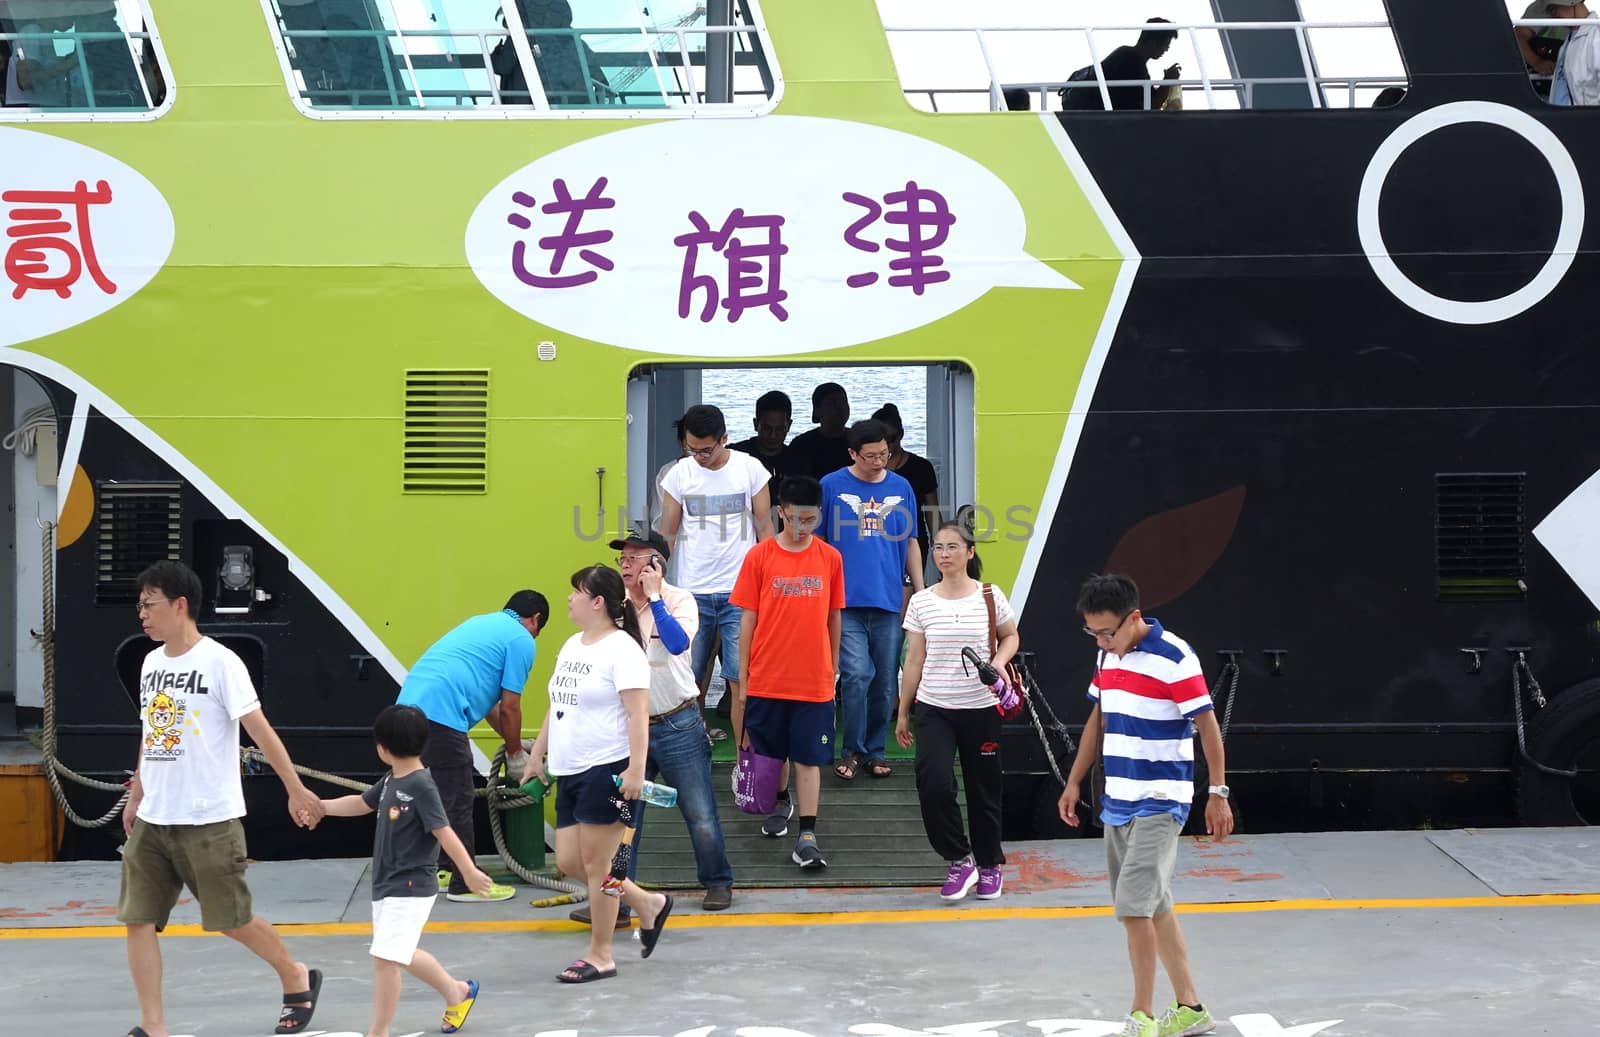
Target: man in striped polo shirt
<point>1149,697</point>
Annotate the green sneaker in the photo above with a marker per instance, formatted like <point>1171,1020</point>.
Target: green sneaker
<point>444,880</point>
<point>1139,1025</point>
<point>496,893</point>
<point>1183,1021</point>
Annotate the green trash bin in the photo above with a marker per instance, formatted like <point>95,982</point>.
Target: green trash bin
<point>524,827</point>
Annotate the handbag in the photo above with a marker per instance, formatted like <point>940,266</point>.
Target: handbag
<point>755,780</point>
<point>1011,672</point>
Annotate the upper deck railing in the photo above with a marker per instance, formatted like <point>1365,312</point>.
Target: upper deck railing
<point>1213,87</point>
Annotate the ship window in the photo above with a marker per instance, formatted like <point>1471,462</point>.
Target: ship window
<point>446,438</point>
<point>137,523</point>
<point>1225,54</point>
<point>531,58</point>
<point>88,60</point>
<point>1478,536</point>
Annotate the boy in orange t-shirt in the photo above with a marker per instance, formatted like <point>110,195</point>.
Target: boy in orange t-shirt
<point>791,588</point>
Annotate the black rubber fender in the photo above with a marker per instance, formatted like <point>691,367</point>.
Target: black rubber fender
<point>1556,735</point>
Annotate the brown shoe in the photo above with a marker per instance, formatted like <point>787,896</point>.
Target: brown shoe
<point>624,916</point>
<point>717,898</point>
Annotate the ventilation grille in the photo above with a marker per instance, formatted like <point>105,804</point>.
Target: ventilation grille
<point>139,523</point>
<point>446,432</point>
<point>1478,536</point>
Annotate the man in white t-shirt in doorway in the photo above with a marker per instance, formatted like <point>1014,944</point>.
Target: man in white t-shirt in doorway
<point>715,507</point>
<point>186,799</point>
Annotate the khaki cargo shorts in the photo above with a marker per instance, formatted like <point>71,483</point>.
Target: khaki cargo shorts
<point>160,860</point>
<point>1141,857</point>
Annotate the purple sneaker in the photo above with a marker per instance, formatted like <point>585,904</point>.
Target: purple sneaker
<point>961,877</point>
<point>990,881</point>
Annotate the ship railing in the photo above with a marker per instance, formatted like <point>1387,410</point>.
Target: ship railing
<point>85,70</point>
<point>1244,88</point>
<point>666,52</point>
<point>1208,84</point>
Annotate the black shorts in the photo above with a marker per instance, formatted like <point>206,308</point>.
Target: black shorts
<point>800,732</point>
<point>587,798</point>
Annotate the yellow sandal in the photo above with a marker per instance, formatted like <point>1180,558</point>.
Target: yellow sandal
<point>455,1016</point>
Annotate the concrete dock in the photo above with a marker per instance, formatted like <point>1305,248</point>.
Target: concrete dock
<point>1462,932</point>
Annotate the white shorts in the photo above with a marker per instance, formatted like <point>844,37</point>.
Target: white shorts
<point>397,927</point>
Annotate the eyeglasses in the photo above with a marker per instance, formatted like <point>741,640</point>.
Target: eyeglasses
<point>145,606</point>
<point>1106,635</point>
<point>705,451</point>
<point>948,548</point>
<point>623,560</point>
<point>876,455</point>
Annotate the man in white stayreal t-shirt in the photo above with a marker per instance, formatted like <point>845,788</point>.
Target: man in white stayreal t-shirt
<point>186,799</point>
<point>715,506</point>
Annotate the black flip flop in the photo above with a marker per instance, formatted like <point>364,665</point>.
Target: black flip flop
<point>295,1017</point>
<point>585,973</point>
<point>137,1031</point>
<point>648,937</point>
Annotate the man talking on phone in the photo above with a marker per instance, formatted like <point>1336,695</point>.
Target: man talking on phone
<point>680,751</point>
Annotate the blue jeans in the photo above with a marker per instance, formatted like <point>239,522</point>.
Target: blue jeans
<point>716,614</point>
<point>680,755</point>
<point>869,664</point>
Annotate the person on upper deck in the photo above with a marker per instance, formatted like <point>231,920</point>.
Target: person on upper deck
<point>1541,46</point>
<point>823,450</point>
<point>1125,63</point>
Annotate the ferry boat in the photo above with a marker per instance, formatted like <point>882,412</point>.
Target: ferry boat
<point>376,310</point>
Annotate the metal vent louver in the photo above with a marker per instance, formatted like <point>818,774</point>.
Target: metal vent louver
<point>446,431</point>
<point>1478,536</point>
<point>137,523</point>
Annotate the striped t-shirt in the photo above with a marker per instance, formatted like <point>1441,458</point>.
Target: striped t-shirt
<point>1149,699</point>
<point>949,626</point>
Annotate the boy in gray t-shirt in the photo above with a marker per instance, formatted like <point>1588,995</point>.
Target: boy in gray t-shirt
<point>412,826</point>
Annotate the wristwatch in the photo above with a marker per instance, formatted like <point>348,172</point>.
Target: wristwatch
<point>1219,790</point>
<point>654,598</point>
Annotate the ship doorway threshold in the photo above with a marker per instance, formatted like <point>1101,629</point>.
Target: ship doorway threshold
<point>935,400</point>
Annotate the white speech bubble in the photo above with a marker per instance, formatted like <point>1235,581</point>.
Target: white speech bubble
<point>69,253</point>
<point>616,272</point>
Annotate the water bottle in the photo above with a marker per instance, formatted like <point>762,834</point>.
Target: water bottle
<point>654,793</point>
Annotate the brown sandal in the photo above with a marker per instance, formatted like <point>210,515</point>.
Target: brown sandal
<point>847,767</point>
<point>879,768</point>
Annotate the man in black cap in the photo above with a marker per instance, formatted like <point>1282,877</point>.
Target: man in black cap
<point>823,450</point>
<point>680,752</point>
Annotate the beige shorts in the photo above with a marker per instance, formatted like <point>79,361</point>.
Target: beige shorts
<point>1141,857</point>
<point>160,860</point>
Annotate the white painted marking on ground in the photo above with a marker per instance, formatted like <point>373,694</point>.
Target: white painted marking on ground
<point>1264,1025</point>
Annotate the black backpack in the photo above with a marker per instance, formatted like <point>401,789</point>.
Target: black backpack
<point>1080,98</point>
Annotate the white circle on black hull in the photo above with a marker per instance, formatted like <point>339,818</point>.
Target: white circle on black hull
<point>1485,311</point>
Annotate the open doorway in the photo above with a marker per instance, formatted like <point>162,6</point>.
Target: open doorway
<point>29,459</point>
<point>934,399</point>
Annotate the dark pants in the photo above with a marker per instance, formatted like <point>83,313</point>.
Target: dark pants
<point>974,735</point>
<point>448,757</point>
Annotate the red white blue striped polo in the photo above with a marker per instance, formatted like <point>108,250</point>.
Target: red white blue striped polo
<point>1149,699</point>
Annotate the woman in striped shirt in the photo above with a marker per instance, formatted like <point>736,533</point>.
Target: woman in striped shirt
<point>955,712</point>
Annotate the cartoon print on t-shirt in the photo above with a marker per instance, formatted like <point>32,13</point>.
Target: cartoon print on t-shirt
<point>165,716</point>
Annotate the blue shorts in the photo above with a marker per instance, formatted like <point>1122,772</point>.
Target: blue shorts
<point>589,797</point>
<point>801,732</point>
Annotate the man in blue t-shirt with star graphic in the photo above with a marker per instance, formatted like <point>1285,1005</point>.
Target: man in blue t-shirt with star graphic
<point>869,514</point>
